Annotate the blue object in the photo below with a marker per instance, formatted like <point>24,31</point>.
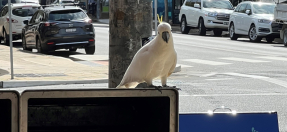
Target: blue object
<point>227,122</point>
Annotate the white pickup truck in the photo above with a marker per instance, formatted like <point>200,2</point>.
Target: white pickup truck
<point>280,16</point>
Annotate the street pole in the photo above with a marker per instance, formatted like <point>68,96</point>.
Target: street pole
<point>10,39</point>
<point>127,26</point>
<point>155,16</point>
<point>98,10</point>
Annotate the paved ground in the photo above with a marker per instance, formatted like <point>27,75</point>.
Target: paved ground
<point>36,66</point>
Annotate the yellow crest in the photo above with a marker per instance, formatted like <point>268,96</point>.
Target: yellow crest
<point>159,20</point>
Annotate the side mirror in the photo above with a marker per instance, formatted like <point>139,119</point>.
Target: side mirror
<point>196,5</point>
<point>248,12</point>
<point>26,22</point>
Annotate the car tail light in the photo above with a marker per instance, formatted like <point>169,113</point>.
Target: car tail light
<point>47,24</point>
<point>50,43</point>
<point>12,20</point>
<point>91,40</point>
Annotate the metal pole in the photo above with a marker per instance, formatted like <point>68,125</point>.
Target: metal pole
<point>98,9</point>
<point>155,16</point>
<point>10,39</point>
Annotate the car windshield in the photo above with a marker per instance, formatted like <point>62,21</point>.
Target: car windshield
<point>25,11</point>
<point>219,4</point>
<point>67,15</point>
<point>263,8</point>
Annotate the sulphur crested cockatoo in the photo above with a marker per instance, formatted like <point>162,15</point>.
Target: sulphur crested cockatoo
<point>157,58</point>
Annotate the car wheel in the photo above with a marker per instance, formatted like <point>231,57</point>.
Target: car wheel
<point>217,32</point>
<point>285,38</point>
<point>90,50</point>
<point>24,45</point>
<point>183,26</point>
<point>39,47</point>
<point>269,39</point>
<point>201,27</point>
<point>74,49</point>
<point>232,34</point>
<point>253,37</point>
<point>6,38</point>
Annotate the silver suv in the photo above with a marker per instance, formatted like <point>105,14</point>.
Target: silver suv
<point>206,15</point>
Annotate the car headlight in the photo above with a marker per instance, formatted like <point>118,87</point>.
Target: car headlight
<point>212,14</point>
<point>264,21</point>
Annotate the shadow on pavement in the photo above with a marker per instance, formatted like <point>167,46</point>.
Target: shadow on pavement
<point>63,53</point>
<point>3,72</point>
<point>17,44</point>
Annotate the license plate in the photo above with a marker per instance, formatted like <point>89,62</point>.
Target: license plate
<point>225,23</point>
<point>71,30</point>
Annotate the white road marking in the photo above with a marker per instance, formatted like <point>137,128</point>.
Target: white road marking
<point>273,58</point>
<point>209,74</point>
<point>219,79</point>
<point>243,60</point>
<point>185,66</point>
<point>207,62</point>
<point>257,94</point>
<point>224,49</point>
<point>267,79</point>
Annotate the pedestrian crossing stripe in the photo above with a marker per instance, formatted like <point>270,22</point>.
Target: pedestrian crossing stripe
<point>199,61</point>
<point>184,66</point>
<point>243,60</point>
<point>273,58</point>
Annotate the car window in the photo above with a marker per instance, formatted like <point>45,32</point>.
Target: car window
<point>4,11</point>
<point>263,8</point>
<point>189,3</point>
<point>198,2</point>
<point>25,11</point>
<point>33,18</point>
<point>39,17</point>
<point>242,8</point>
<point>248,7</point>
<point>237,8</point>
<point>219,4</point>
<point>67,15</point>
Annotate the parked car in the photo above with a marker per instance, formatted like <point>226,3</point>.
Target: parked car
<point>255,20</point>
<point>205,15</point>
<point>59,27</point>
<point>20,13</point>
<point>280,12</point>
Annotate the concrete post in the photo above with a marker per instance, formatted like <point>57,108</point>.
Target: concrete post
<point>130,21</point>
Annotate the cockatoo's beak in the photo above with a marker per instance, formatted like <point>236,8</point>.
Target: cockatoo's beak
<point>165,36</point>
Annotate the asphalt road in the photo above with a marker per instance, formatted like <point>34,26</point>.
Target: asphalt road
<point>217,71</point>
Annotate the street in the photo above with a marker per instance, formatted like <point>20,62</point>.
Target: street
<point>215,72</point>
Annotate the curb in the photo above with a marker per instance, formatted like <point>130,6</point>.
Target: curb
<point>15,84</point>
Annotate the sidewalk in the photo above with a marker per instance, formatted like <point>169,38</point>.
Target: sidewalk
<point>40,69</point>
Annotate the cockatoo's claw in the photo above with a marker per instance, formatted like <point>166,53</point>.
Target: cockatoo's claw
<point>156,87</point>
<point>159,89</point>
<point>165,86</point>
<point>177,88</point>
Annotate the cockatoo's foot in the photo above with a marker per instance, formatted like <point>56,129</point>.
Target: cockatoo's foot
<point>165,86</point>
<point>156,87</point>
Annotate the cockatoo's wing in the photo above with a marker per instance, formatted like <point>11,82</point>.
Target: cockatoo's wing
<point>139,68</point>
<point>174,64</point>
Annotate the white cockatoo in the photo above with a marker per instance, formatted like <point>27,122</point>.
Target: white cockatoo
<point>158,58</point>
